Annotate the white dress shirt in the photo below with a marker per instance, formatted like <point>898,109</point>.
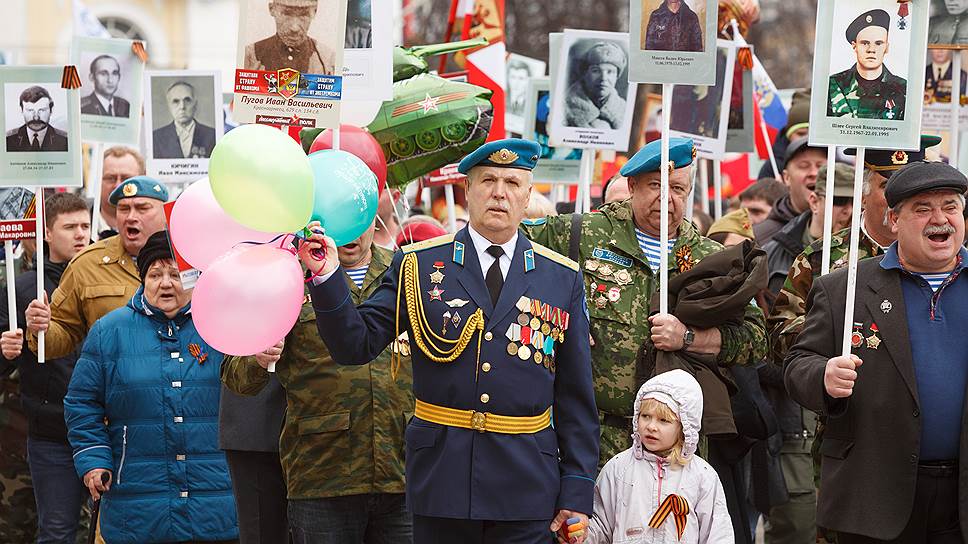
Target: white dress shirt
<point>107,104</point>
<point>480,246</point>
<point>31,134</point>
<point>185,137</point>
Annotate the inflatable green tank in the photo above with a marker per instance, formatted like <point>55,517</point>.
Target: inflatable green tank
<point>410,61</point>
<point>430,123</point>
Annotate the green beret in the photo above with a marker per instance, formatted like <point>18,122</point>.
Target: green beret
<point>139,186</point>
<point>506,153</point>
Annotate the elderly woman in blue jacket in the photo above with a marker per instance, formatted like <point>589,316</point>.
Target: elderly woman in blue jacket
<point>142,416</point>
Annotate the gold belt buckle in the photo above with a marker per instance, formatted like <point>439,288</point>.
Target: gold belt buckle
<point>478,421</point>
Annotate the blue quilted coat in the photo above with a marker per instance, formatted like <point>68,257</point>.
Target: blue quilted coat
<point>143,402</point>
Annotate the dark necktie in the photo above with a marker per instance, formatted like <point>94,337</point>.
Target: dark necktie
<point>35,146</point>
<point>494,279</point>
<point>111,109</point>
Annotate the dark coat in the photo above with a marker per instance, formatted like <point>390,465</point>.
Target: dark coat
<point>90,105</point>
<point>784,248</point>
<point>252,423</point>
<point>42,386</point>
<point>714,292</point>
<point>940,89</point>
<point>669,31</point>
<point>54,140</point>
<point>781,214</point>
<point>166,145</point>
<point>872,440</point>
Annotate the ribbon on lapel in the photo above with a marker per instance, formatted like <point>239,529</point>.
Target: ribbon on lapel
<point>675,505</point>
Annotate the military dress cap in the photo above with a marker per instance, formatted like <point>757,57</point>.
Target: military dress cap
<point>606,53</point>
<point>843,181</point>
<point>919,177</point>
<point>874,17</point>
<point>887,161</point>
<point>799,145</point>
<point>682,151</point>
<point>507,153</point>
<point>139,186</point>
<point>737,222</point>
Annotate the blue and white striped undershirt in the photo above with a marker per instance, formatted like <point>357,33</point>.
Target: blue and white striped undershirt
<point>652,248</point>
<point>934,280</point>
<point>357,275</point>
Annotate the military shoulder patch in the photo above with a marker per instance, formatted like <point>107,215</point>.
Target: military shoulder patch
<point>427,244</point>
<point>534,222</point>
<point>554,256</point>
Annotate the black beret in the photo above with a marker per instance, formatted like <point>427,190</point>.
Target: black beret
<point>887,161</point>
<point>874,17</point>
<point>156,248</point>
<point>919,177</point>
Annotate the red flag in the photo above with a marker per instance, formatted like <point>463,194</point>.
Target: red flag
<point>761,144</point>
<point>485,67</point>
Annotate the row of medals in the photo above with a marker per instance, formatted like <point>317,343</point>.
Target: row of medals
<point>538,344</point>
<point>620,276</point>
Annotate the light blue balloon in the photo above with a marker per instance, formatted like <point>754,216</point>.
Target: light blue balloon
<point>346,194</point>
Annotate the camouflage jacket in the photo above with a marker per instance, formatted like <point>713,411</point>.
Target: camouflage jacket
<point>343,433</point>
<point>847,98</point>
<point>616,270</point>
<point>790,308</point>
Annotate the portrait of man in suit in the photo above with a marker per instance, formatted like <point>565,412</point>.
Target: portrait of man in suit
<point>185,137</point>
<point>36,134</point>
<point>105,74</point>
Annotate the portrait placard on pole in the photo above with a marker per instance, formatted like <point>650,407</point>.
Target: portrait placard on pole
<point>111,89</point>
<point>739,133</point>
<point>556,164</point>
<point>868,82</point>
<point>183,120</point>
<point>368,54</point>
<point>520,70</point>
<point>596,107</point>
<point>41,119</point>
<point>673,41</point>
<point>701,112</point>
<point>290,62</point>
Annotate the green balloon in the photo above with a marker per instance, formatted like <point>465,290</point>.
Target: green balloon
<point>262,178</point>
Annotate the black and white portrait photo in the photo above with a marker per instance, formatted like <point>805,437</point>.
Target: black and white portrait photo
<point>594,107</point>
<point>42,130</point>
<point>359,25</point>
<point>104,74</point>
<point>301,35</point>
<point>111,89</point>
<point>948,25</point>
<point>184,119</point>
<point>36,118</point>
<point>520,70</point>
<point>597,86</point>
<point>702,112</point>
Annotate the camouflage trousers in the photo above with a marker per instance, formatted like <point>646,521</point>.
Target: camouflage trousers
<point>18,523</point>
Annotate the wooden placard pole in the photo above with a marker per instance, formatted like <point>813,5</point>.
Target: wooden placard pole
<point>11,284</point>
<point>96,173</point>
<point>717,189</point>
<point>852,261</point>
<point>664,197</point>
<point>704,185</point>
<point>39,212</point>
<point>956,91</point>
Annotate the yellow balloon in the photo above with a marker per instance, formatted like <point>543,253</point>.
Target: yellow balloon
<point>262,178</point>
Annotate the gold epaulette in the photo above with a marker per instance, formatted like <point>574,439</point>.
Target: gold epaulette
<point>427,244</point>
<point>554,256</point>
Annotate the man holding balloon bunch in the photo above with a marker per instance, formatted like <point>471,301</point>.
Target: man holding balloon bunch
<point>498,329</point>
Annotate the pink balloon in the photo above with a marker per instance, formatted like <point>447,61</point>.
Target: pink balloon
<point>248,299</point>
<point>202,231</point>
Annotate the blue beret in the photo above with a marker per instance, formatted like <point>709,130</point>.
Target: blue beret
<point>682,151</point>
<point>507,153</point>
<point>139,186</point>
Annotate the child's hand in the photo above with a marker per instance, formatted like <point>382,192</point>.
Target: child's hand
<point>569,527</point>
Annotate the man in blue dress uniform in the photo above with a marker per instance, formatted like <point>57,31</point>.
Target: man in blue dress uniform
<point>504,443</point>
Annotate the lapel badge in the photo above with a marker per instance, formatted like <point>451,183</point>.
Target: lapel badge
<point>857,337</point>
<point>458,253</point>
<point>886,306</point>
<point>622,277</point>
<point>446,317</point>
<point>873,341</point>
<point>435,293</point>
<point>614,294</point>
<point>592,265</point>
<point>437,276</point>
<point>529,260</point>
<point>605,270</point>
<point>456,319</point>
<point>456,302</point>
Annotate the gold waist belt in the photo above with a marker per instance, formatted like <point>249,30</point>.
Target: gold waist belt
<point>482,421</point>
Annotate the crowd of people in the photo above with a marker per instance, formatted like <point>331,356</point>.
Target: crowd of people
<point>517,380</point>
